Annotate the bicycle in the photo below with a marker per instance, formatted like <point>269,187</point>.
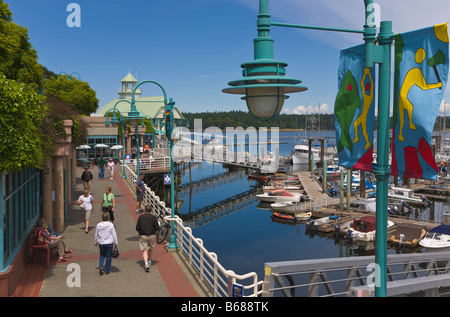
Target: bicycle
<point>164,226</point>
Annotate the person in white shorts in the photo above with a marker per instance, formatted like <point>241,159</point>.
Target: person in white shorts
<point>88,201</point>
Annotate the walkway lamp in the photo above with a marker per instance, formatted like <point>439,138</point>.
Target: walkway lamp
<point>168,106</point>
<point>264,87</point>
<point>115,122</point>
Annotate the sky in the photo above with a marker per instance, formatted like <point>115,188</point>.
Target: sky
<point>193,48</point>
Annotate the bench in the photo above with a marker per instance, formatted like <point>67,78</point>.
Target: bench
<point>35,247</point>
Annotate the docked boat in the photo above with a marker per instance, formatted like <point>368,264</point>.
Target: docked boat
<point>405,194</point>
<point>300,154</point>
<point>364,205</point>
<point>279,195</point>
<point>333,170</point>
<point>363,229</point>
<point>316,223</point>
<point>437,239</point>
<point>257,176</point>
<point>289,188</point>
<point>407,235</point>
<point>281,204</point>
<point>303,216</point>
<point>283,216</point>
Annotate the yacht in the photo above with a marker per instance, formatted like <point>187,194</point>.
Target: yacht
<point>300,154</point>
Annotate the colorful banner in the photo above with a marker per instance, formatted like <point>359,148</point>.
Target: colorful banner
<point>354,110</point>
<point>420,78</point>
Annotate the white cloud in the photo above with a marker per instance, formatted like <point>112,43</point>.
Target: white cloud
<point>324,108</point>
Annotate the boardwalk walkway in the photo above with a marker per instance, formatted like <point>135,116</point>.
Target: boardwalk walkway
<point>168,276</point>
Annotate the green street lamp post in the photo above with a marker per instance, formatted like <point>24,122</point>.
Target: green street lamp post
<point>168,105</point>
<point>115,122</point>
<point>264,85</point>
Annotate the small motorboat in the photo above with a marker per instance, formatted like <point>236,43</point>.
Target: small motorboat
<point>279,195</point>
<point>363,229</point>
<point>316,223</point>
<point>281,204</point>
<point>283,216</point>
<point>257,177</point>
<point>364,205</point>
<point>407,235</point>
<point>406,194</point>
<point>303,216</point>
<point>292,189</point>
<point>437,239</point>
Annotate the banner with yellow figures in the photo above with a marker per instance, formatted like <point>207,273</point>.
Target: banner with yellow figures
<point>420,78</point>
<point>354,110</point>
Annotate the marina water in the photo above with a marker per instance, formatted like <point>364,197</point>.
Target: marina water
<point>223,211</point>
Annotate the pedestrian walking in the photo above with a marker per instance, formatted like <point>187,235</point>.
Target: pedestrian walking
<point>105,238</point>
<point>101,168</point>
<point>88,202</point>
<point>147,226</point>
<point>140,191</point>
<point>43,237</point>
<point>87,177</point>
<point>108,203</point>
<point>111,166</point>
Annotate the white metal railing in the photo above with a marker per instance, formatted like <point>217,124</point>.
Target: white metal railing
<point>206,263</point>
<point>150,164</point>
<point>211,271</point>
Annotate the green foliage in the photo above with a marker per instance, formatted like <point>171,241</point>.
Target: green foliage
<point>30,122</point>
<point>77,94</point>
<point>18,59</point>
<point>22,142</point>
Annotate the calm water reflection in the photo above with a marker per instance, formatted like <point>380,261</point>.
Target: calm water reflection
<point>243,235</point>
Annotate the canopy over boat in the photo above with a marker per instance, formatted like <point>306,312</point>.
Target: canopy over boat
<point>365,224</point>
<point>444,229</point>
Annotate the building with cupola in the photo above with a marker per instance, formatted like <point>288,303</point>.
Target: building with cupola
<point>151,107</point>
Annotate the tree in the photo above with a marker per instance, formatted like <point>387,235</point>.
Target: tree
<point>18,58</point>
<point>22,141</point>
<point>77,94</point>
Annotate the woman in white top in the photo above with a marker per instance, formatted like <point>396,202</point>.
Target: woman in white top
<point>88,201</point>
<point>111,165</point>
<point>105,238</point>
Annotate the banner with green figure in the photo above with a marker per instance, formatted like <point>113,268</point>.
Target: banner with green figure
<point>420,78</point>
<point>354,110</point>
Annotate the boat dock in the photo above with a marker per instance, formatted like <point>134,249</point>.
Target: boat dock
<point>321,205</point>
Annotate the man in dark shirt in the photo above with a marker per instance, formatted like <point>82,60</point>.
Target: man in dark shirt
<point>87,177</point>
<point>140,191</point>
<point>147,226</point>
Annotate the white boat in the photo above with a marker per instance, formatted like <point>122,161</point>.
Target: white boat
<point>437,239</point>
<point>303,216</point>
<point>405,194</point>
<point>363,229</point>
<point>300,154</point>
<point>314,224</point>
<point>281,204</point>
<point>364,205</point>
<point>279,195</point>
<point>333,170</point>
<point>289,188</point>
